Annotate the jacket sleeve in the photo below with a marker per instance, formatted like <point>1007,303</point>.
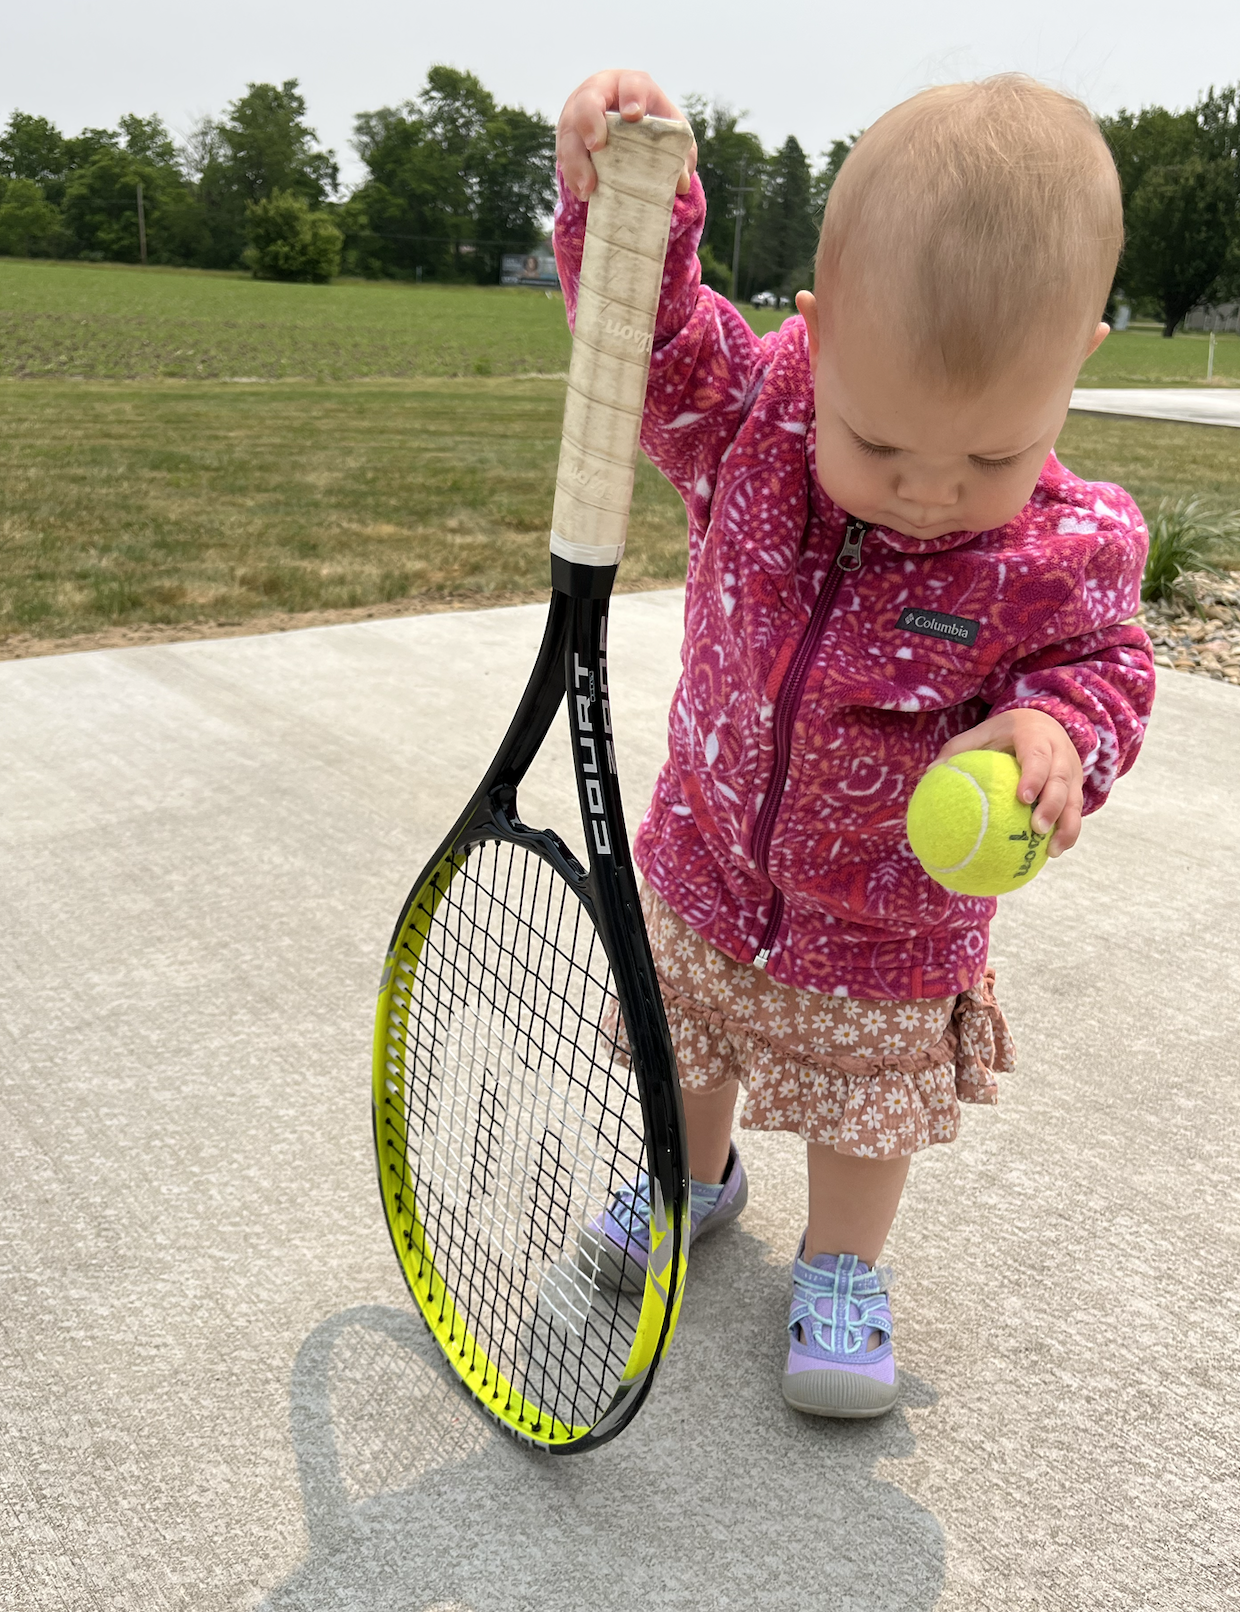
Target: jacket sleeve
<point>707,361</point>
<point>1089,665</point>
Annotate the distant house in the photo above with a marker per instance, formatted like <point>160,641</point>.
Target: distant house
<point>534,268</point>
<point>1225,316</point>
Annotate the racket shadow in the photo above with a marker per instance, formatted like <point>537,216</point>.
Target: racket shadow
<point>719,1497</point>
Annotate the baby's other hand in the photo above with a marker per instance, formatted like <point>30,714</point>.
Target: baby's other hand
<point>1050,769</point>
<point>583,124</point>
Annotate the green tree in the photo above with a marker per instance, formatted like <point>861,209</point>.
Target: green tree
<point>513,164</point>
<point>732,167</point>
<point>262,145</point>
<point>291,241</point>
<point>1180,181</point>
<point>786,230</point>
<point>32,148</point>
<point>1151,138</point>
<point>100,206</point>
<point>29,224</point>
<point>1182,223</point>
<point>147,140</point>
<point>455,181</point>
<point>826,175</point>
<point>1218,119</point>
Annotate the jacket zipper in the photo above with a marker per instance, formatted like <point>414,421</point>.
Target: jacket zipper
<point>787,704</point>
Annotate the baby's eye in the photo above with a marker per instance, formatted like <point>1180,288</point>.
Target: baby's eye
<point>873,448</point>
<point>995,464</point>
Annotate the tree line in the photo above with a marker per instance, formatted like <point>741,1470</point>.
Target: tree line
<point>1180,177</point>
<point>454,180</point>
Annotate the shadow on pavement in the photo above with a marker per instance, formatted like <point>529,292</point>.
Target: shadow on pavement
<point>718,1496</point>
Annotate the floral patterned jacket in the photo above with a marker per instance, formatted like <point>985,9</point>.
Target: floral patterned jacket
<point>824,693</point>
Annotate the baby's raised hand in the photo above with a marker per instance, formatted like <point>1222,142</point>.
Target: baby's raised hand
<point>1050,769</point>
<point>583,124</point>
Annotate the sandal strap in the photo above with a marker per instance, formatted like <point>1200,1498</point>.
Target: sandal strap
<point>840,1308</point>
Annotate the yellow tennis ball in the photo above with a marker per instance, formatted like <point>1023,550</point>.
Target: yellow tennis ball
<point>968,829</point>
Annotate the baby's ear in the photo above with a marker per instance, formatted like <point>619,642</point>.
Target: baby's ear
<point>1097,339</point>
<point>807,307</point>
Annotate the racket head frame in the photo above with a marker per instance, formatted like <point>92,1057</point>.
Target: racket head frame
<point>572,662</point>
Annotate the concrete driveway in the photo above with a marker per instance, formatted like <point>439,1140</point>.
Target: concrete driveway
<point>1189,404</point>
<point>215,1392</point>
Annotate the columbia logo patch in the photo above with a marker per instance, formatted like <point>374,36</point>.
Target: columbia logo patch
<point>935,624</point>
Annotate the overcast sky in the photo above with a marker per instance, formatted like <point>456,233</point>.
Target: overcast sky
<point>814,70</point>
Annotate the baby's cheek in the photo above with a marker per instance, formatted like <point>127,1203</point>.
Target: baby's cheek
<point>859,487</point>
<point>999,498</point>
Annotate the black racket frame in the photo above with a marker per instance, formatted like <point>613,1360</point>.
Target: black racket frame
<point>572,663</point>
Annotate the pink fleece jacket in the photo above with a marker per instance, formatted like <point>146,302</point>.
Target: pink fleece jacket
<point>831,715</point>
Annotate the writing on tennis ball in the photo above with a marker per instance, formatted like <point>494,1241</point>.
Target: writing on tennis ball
<point>968,829</point>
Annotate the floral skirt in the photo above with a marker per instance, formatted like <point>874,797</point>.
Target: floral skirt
<point>875,1079</point>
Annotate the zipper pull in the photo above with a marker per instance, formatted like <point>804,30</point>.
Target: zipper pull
<point>849,557</point>
<point>762,958</point>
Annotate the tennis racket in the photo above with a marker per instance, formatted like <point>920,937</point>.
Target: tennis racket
<point>524,1080</point>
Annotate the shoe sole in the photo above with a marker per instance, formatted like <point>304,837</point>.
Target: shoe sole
<point>846,1394</point>
<point>617,1269</point>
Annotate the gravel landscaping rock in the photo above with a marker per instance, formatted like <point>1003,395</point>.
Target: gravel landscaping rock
<point>1199,632</point>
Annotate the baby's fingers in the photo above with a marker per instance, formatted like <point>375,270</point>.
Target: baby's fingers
<point>583,128</point>
<point>637,94</point>
<point>583,123</point>
<point>575,163</point>
<point>1035,757</point>
<point>1068,829</point>
<point>1060,800</point>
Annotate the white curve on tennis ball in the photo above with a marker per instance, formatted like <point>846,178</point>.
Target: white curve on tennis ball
<point>981,833</point>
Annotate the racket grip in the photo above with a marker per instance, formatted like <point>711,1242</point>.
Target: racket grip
<point>621,277</point>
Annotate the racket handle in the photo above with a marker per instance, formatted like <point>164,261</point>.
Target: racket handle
<point>621,276</point>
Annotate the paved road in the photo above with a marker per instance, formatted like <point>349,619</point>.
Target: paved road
<point>214,1393</point>
<point>1193,405</point>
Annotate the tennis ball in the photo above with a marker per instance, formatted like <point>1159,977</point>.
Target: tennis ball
<point>968,829</point>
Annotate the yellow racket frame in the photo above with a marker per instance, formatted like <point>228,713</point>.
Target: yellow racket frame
<point>664,1288</point>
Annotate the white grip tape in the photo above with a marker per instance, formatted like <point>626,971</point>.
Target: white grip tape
<point>621,276</point>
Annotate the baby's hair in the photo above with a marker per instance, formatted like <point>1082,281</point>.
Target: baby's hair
<point>980,220</point>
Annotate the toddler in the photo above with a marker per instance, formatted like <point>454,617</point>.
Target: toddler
<point>887,565</point>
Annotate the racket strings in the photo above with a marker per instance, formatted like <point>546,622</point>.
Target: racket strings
<point>520,1121</point>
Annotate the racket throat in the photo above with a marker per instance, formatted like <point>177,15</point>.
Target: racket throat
<point>589,721</point>
<point>577,580</point>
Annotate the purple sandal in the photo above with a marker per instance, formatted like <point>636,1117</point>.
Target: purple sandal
<point>840,1360</point>
<point>614,1247</point>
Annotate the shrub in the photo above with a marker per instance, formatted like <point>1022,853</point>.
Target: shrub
<point>1180,535</point>
<point>291,241</point>
<point>715,274</point>
<point>29,225</point>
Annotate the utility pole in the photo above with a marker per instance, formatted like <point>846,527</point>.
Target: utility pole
<point>141,227</point>
<point>740,192</point>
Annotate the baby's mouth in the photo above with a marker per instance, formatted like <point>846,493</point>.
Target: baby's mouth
<point>908,528</point>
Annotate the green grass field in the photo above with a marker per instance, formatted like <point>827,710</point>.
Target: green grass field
<point>114,322</point>
<point>177,504</point>
<point>1134,357</point>
<point>154,494</point>
<point>108,321</point>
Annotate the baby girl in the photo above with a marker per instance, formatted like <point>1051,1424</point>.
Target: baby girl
<point>887,565</point>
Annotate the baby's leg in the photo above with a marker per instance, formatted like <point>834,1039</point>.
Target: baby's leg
<point>852,1202</point>
<point>708,1128</point>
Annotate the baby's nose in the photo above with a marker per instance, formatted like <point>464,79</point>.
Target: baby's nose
<point>929,492</point>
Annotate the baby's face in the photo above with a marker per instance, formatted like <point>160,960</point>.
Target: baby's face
<point>898,452</point>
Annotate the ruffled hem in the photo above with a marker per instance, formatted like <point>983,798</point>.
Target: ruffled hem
<point>881,1106</point>
<point>787,1047</point>
<point>977,1042</point>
